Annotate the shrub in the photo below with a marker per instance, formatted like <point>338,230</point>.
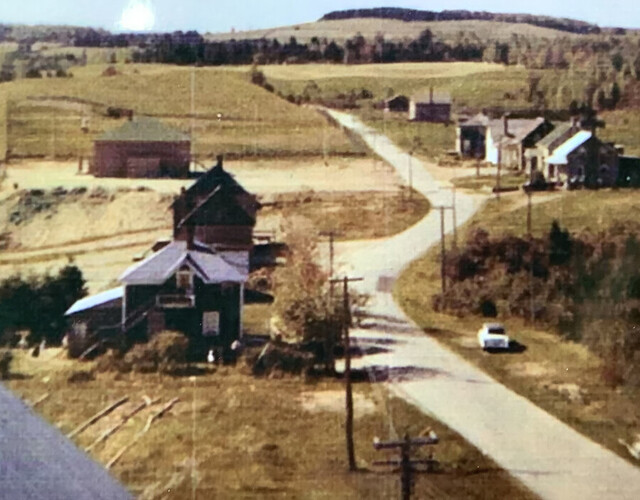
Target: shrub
<point>164,353</point>
<point>5,364</point>
<point>80,376</point>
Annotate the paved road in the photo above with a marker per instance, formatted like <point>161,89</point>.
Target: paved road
<point>548,456</point>
<point>38,463</point>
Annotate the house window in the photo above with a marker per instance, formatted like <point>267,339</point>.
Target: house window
<point>552,171</point>
<point>184,279</point>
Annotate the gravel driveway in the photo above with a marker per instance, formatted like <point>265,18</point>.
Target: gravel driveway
<point>549,457</point>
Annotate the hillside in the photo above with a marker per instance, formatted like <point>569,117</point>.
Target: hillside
<point>231,115</point>
<point>393,29</point>
<point>562,24</point>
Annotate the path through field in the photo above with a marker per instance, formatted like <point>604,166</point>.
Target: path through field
<point>548,456</point>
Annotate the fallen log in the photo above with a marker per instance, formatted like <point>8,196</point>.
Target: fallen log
<point>109,432</point>
<point>97,417</point>
<point>150,420</point>
<point>41,399</point>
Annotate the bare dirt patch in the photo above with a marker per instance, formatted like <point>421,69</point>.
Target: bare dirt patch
<point>333,402</point>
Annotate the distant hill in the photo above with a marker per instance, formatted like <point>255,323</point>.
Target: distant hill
<point>561,24</point>
<point>393,29</point>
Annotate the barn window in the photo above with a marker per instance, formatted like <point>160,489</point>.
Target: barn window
<point>184,279</point>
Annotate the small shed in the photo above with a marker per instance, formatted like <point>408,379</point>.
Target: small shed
<point>142,147</point>
<point>397,103</point>
<point>430,107</point>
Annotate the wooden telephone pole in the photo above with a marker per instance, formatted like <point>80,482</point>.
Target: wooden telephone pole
<point>407,465</point>
<point>351,454</point>
<point>443,250</point>
<point>531,249</point>
<point>332,236</point>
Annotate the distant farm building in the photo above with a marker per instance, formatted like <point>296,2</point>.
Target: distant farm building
<point>142,147</point>
<point>397,103</point>
<point>536,157</point>
<point>430,107</point>
<point>584,160</point>
<point>503,141</point>
<point>471,136</point>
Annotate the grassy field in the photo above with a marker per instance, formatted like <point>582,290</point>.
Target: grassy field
<point>356,215</point>
<point>340,30</point>
<point>561,377</point>
<point>252,121</point>
<point>236,436</point>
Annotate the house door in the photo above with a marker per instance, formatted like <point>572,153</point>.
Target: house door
<point>210,323</point>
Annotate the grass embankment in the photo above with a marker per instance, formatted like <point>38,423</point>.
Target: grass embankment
<point>488,182</point>
<point>235,436</point>
<point>356,215</point>
<point>103,229</point>
<point>564,378</point>
<point>252,121</point>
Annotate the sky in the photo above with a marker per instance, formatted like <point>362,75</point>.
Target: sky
<point>223,15</point>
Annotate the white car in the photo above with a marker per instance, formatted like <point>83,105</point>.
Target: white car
<point>493,336</point>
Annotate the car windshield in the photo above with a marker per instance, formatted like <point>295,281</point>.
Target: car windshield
<point>498,330</point>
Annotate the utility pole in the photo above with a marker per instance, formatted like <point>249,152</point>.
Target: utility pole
<point>410,176</point>
<point>407,465</point>
<point>455,219</point>
<point>331,235</point>
<point>531,249</point>
<point>497,188</point>
<point>443,250</point>
<point>351,454</point>
<point>193,106</point>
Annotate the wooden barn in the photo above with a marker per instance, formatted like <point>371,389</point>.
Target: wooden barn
<point>430,107</point>
<point>216,211</point>
<point>142,147</point>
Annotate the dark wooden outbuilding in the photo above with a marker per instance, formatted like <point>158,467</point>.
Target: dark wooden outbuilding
<point>142,147</point>
<point>397,103</point>
<point>430,107</point>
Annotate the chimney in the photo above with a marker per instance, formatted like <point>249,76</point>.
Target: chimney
<point>505,122</point>
<point>575,124</point>
<point>219,160</point>
<point>431,95</point>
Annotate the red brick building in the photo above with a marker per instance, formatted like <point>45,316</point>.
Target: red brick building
<point>142,147</point>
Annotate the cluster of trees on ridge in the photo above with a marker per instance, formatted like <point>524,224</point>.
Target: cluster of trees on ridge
<point>569,25</point>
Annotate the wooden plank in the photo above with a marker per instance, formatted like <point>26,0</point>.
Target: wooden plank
<point>97,417</point>
<point>109,432</point>
<point>151,419</point>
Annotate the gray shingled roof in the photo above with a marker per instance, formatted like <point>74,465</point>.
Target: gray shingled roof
<point>210,267</point>
<point>144,129</point>
<point>518,129</point>
<point>555,134</point>
<point>38,463</point>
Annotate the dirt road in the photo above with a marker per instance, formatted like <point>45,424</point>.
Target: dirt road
<point>549,457</point>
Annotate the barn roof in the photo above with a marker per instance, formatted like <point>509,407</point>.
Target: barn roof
<point>144,129</point>
<point>209,266</point>
<point>559,157</point>
<point>95,300</point>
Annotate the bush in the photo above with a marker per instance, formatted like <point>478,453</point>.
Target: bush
<point>164,353</point>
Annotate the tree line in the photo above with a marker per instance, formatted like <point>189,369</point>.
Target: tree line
<point>407,15</point>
